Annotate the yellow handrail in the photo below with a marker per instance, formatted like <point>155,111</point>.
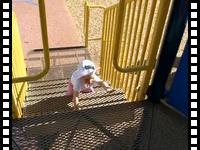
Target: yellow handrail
<point>132,30</point>
<point>97,6</point>
<point>116,47</point>
<point>163,11</point>
<point>45,46</point>
<point>87,7</point>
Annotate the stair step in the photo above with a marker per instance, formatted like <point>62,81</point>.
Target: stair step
<point>41,84</point>
<point>63,61</point>
<point>59,102</point>
<point>48,97</point>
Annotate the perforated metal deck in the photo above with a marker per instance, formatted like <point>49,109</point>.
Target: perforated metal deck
<point>105,121</point>
<point>110,127</point>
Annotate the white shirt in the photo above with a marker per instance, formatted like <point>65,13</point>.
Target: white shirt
<point>79,84</point>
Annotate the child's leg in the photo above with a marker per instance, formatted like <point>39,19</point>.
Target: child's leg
<point>70,89</point>
<point>76,99</point>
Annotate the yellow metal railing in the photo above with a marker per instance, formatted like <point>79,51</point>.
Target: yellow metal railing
<point>87,8</point>
<point>19,74</point>
<point>132,31</point>
<point>45,47</point>
<point>18,69</point>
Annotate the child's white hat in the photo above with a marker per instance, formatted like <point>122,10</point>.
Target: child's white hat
<point>85,67</point>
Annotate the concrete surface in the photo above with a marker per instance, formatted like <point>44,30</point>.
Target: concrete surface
<point>62,31</point>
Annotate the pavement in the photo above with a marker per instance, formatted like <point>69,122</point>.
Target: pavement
<point>62,31</point>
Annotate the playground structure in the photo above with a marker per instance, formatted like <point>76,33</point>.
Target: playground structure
<point>130,42</point>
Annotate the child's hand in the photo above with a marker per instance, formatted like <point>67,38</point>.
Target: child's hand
<point>97,70</point>
<point>109,89</point>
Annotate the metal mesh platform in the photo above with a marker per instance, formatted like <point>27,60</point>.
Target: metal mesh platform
<point>110,127</point>
<point>105,121</point>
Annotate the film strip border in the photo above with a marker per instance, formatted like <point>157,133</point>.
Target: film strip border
<point>6,61</point>
<point>7,85</point>
<point>193,104</point>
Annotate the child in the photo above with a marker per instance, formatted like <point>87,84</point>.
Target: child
<point>82,80</point>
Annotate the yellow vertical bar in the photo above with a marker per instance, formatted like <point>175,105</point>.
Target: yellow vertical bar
<point>124,49</point>
<point>45,45</point>
<point>133,43</point>
<point>141,30</point>
<point>132,89</point>
<point>113,71</point>
<point>107,63</point>
<point>84,22</point>
<point>119,32</point>
<point>105,45</point>
<point>16,105</point>
<point>124,76</point>
<point>147,33</point>
<point>159,26</point>
<point>18,69</point>
<point>16,48</point>
<point>111,43</point>
<point>108,45</point>
<point>87,25</point>
<point>140,51</point>
<point>16,112</point>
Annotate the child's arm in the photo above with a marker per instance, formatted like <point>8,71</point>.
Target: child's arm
<point>102,83</point>
<point>105,85</point>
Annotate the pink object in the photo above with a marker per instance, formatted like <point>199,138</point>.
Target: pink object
<point>88,90</point>
<point>70,89</point>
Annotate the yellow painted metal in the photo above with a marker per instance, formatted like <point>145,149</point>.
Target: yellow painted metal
<point>18,69</point>
<point>45,46</point>
<point>110,67</point>
<point>102,46</point>
<point>146,39</point>
<point>104,42</point>
<point>95,38</point>
<point>84,21</point>
<point>87,7</point>
<point>129,55</point>
<point>97,6</point>
<point>86,24</point>
<point>19,74</point>
<point>159,26</point>
<point>121,18</point>
<point>121,14</point>
<point>126,37</point>
<point>128,82</point>
<point>132,90</point>
<point>126,59</point>
<point>102,60</point>
<point>108,45</point>
<point>113,70</point>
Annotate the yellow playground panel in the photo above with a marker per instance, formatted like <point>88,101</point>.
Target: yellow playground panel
<point>132,32</point>
<point>18,70</point>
